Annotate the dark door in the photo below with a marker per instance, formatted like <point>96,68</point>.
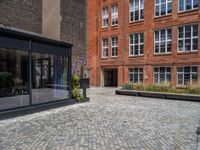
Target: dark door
<point>110,77</point>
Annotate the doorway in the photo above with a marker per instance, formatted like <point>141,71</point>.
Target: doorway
<point>110,77</point>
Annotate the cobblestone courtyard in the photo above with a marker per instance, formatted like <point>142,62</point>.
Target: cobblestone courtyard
<point>107,122</point>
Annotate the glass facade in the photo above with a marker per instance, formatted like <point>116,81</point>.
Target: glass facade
<point>49,78</point>
<point>14,78</point>
<point>33,71</point>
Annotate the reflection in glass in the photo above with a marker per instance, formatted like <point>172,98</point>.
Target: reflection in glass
<point>49,78</point>
<point>14,78</point>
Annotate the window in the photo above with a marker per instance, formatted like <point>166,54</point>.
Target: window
<point>105,48</point>
<point>186,75</point>
<point>162,41</point>
<point>136,10</point>
<point>114,15</point>
<point>188,38</point>
<point>188,4</point>
<point>136,75</point>
<point>105,17</point>
<point>163,7</point>
<point>136,44</point>
<point>162,75</point>
<point>114,46</point>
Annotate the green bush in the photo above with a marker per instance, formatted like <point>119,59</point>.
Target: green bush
<point>127,86</point>
<point>76,87</point>
<point>195,90</point>
<point>139,87</point>
<point>6,80</point>
<point>158,88</point>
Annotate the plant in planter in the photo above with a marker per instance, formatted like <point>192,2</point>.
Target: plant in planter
<point>6,83</point>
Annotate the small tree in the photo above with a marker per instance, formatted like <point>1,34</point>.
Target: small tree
<point>76,87</point>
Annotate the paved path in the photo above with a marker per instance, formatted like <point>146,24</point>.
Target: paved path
<point>106,122</point>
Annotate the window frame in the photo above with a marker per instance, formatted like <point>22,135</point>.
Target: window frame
<point>114,16</point>
<point>133,44</point>
<point>160,41</point>
<point>166,8</point>
<point>132,73</point>
<point>159,73</point>
<point>105,48</point>
<point>114,47</point>
<point>184,5</point>
<point>105,17</point>
<point>183,73</point>
<point>141,7</point>
<point>184,45</point>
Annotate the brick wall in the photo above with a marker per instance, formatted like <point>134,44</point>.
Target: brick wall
<point>124,29</point>
<point>73,25</point>
<point>22,14</point>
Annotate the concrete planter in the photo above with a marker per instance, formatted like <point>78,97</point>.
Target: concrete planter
<point>162,95</point>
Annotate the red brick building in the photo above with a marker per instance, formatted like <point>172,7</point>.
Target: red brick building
<point>148,41</point>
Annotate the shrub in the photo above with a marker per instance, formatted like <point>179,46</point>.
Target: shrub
<point>127,86</point>
<point>139,87</point>
<point>76,87</point>
<point>6,80</point>
<point>194,90</point>
<point>158,88</point>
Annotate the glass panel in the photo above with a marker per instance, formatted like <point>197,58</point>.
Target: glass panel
<point>181,5</point>
<point>188,44</point>
<point>157,10</point>
<point>50,81</point>
<point>169,8</point>
<point>195,44</point>
<point>195,30</point>
<point>180,45</point>
<point>180,79</point>
<point>195,3</point>
<point>180,32</point>
<point>188,4</point>
<point>14,78</point>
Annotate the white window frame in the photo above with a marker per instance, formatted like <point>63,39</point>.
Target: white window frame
<point>160,4</point>
<point>159,73</point>
<point>184,38</point>
<point>133,44</point>
<point>160,41</point>
<point>114,46</point>
<point>105,48</point>
<point>184,5</point>
<point>183,74</point>
<point>132,73</point>
<point>132,9</point>
<point>105,16</point>
<point>114,15</point>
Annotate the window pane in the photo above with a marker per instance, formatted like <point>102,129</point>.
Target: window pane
<point>180,32</point>
<point>188,31</point>
<point>157,10</point>
<point>168,46</point>
<point>195,44</point>
<point>181,5</point>
<point>49,78</point>
<point>195,30</point>
<point>180,79</point>
<point>188,4</point>
<point>195,3</point>
<point>180,45</point>
<point>169,8</point>
<point>156,47</point>
<point>163,9</point>
<point>14,78</point>
<point>188,44</point>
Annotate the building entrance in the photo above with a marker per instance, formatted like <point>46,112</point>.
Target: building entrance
<point>110,77</point>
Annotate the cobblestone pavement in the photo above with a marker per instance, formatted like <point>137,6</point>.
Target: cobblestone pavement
<point>107,122</point>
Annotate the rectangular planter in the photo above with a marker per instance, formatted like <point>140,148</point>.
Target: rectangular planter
<point>161,95</point>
